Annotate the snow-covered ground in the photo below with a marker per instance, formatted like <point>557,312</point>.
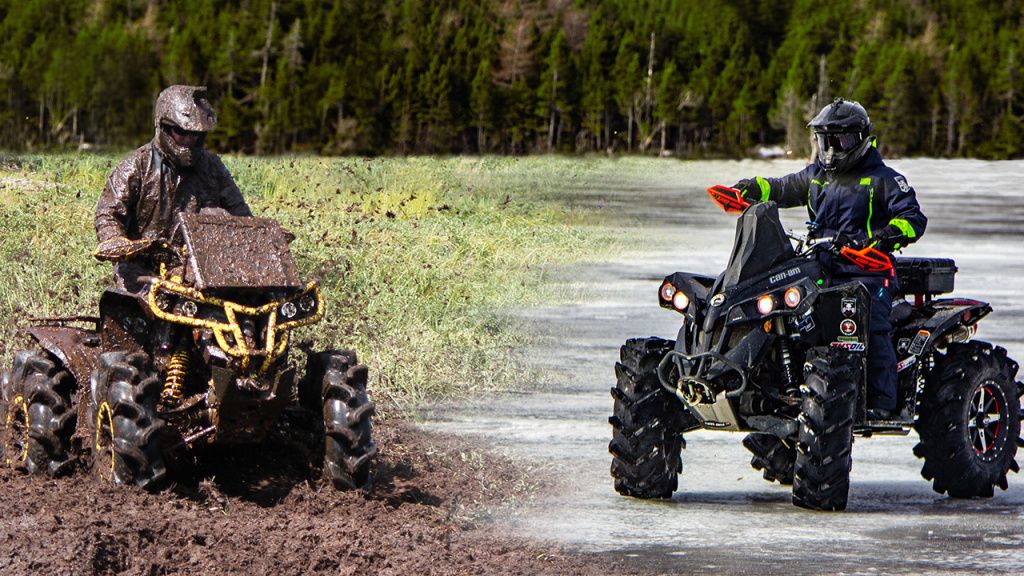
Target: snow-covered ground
<point>724,517</point>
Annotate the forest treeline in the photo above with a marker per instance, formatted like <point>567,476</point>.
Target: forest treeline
<point>687,77</point>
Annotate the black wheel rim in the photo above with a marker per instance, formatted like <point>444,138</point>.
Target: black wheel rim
<point>986,420</point>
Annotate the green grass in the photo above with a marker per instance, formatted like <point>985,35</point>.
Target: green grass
<point>420,258</point>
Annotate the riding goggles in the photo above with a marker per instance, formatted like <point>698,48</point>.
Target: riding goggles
<point>839,141</point>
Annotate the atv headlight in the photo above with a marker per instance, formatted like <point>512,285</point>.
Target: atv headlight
<point>765,304</point>
<point>164,301</point>
<point>189,308</point>
<point>793,297</point>
<point>680,301</point>
<point>289,310</point>
<point>307,303</point>
<point>667,291</point>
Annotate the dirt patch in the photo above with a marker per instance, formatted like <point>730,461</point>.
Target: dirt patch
<point>268,513</point>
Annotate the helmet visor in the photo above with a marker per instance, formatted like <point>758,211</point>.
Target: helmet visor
<point>838,141</point>
<point>184,138</point>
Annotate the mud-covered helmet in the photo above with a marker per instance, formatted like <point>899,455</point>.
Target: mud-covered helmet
<point>182,117</point>
<point>842,131</point>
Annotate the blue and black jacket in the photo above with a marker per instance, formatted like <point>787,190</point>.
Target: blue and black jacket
<point>859,203</point>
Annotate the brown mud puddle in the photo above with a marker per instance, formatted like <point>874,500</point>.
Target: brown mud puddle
<point>267,512</point>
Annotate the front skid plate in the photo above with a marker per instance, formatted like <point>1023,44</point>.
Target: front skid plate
<point>717,416</point>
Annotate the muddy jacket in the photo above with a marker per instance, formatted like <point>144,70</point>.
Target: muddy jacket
<point>860,203</point>
<point>143,194</point>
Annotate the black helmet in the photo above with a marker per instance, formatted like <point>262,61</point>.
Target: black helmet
<point>185,110</point>
<point>842,131</point>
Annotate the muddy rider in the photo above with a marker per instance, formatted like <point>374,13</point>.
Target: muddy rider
<point>172,173</point>
<point>852,195</point>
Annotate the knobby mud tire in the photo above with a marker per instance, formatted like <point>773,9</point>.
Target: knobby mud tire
<point>43,391</point>
<point>772,456</point>
<point>647,422</point>
<point>128,434</point>
<point>966,452</point>
<point>821,470</point>
<point>347,411</point>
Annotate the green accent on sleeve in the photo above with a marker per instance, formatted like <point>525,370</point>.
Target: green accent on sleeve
<point>766,188</point>
<point>874,142</point>
<point>865,181</point>
<point>904,227</point>
<point>871,206</point>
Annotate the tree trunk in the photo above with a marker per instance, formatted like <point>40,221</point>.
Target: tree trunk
<point>951,129</point>
<point>553,109</point>
<point>629,132</point>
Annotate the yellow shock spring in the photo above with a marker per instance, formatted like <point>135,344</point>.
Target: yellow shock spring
<point>177,371</point>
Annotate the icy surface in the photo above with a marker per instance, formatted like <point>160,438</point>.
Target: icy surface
<point>724,518</point>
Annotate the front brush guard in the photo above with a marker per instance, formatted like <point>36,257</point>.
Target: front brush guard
<point>699,389</point>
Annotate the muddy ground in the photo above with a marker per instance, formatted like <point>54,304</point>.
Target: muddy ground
<point>267,512</point>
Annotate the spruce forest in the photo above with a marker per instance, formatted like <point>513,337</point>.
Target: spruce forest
<point>683,77</point>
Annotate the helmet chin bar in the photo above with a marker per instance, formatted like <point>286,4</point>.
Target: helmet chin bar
<point>180,156</point>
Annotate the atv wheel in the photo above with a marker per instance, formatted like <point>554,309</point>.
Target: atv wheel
<point>969,421</point>
<point>128,432</point>
<point>348,446</point>
<point>773,456</point>
<point>40,417</point>
<point>821,471</point>
<point>646,425</point>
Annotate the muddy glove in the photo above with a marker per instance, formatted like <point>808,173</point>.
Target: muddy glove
<point>887,239</point>
<point>120,248</point>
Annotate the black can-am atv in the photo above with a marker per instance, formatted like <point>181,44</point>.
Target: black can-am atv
<point>198,358</point>
<point>772,347</point>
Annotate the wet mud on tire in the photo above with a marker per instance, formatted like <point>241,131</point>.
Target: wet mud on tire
<point>268,511</point>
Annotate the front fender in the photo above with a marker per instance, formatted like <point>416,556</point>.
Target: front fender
<point>76,348</point>
<point>125,321</point>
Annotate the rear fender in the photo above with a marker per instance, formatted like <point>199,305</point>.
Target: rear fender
<point>950,318</point>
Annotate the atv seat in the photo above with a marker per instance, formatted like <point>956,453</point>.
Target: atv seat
<point>925,276</point>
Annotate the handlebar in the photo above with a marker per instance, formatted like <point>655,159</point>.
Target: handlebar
<point>867,258</point>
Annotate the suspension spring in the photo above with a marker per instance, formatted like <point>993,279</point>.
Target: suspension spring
<point>787,363</point>
<point>177,372</point>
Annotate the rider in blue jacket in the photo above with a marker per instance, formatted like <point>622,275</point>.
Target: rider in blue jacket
<point>852,195</point>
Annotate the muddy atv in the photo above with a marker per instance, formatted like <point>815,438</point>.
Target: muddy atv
<point>772,347</point>
<point>199,358</point>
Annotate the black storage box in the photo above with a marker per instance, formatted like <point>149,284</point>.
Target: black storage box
<point>925,275</point>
